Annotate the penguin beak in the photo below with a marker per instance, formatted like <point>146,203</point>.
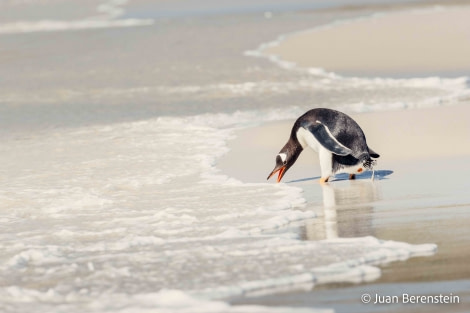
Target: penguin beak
<point>281,170</point>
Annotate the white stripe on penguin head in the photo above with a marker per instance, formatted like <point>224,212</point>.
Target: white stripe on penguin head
<point>283,157</point>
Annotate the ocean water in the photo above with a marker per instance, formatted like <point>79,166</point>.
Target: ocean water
<point>112,124</point>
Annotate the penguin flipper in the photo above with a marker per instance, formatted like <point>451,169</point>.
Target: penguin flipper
<point>327,140</point>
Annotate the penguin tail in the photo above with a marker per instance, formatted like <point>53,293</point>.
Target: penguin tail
<point>369,163</point>
<point>373,154</point>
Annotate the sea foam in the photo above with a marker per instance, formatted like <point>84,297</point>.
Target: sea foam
<point>150,212</point>
<point>412,92</point>
<point>110,11</point>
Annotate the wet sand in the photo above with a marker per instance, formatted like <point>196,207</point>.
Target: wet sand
<point>58,81</point>
<point>425,162</point>
<point>398,136</point>
<point>419,196</point>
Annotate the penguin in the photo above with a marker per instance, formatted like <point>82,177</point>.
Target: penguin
<point>339,141</point>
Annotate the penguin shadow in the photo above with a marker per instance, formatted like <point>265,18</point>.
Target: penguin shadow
<point>378,175</point>
<point>346,212</point>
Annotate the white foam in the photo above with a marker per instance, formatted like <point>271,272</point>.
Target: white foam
<point>135,217</point>
<point>176,301</point>
<point>451,89</point>
<point>35,256</point>
<point>52,26</point>
<point>140,207</point>
<point>111,11</point>
<point>355,270</point>
<point>354,94</point>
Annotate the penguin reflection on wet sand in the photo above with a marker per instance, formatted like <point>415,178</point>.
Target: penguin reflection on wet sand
<point>339,141</point>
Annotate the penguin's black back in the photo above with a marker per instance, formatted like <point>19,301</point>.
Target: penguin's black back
<point>341,126</point>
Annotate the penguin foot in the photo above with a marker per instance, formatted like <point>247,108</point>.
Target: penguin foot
<point>324,180</point>
<point>352,176</point>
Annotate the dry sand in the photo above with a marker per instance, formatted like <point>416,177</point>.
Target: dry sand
<point>422,42</point>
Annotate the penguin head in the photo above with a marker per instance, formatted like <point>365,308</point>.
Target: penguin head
<point>283,162</point>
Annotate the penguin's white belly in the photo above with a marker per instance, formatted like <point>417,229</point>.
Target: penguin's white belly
<point>306,139</point>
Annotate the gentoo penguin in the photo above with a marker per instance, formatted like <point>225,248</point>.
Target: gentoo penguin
<point>337,138</point>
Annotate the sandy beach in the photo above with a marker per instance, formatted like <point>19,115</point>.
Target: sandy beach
<point>398,136</point>
<point>420,193</point>
<point>422,42</point>
<point>136,138</point>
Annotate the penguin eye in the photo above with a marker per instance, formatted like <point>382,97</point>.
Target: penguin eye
<point>283,158</point>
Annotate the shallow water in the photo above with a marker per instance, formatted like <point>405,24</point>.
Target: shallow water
<point>433,210</point>
<point>112,123</point>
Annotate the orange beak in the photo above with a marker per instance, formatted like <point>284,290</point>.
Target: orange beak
<point>281,171</point>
